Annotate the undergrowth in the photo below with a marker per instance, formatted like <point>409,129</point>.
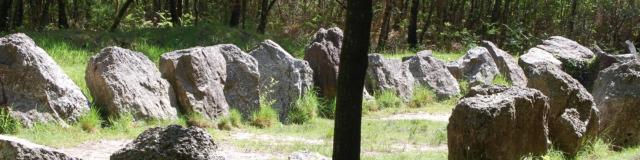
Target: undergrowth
<point>304,109</point>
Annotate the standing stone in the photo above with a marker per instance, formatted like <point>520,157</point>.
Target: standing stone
<point>617,95</point>
<point>197,76</point>
<point>431,72</point>
<point>283,78</point>
<point>173,142</point>
<point>18,149</point>
<point>631,47</point>
<point>455,68</point>
<point>479,67</point>
<point>506,64</point>
<point>575,58</point>
<point>500,126</point>
<point>536,56</point>
<point>389,74</point>
<point>573,117</point>
<point>34,87</point>
<point>323,55</point>
<point>242,87</point>
<point>123,81</point>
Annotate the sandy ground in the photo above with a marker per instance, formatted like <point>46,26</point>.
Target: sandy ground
<point>418,116</point>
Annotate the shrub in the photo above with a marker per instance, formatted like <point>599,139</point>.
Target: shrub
<point>198,120</point>
<point>327,109</point>
<point>464,87</point>
<point>501,80</point>
<point>304,109</point>
<point>266,116</point>
<point>91,121</point>
<point>388,99</point>
<point>8,124</point>
<point>422,96</point>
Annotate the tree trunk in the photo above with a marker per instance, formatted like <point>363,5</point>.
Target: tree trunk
<point>384,29</point>
<point>353,65</point>
<point>244,13</point>
<point>427,22</point>
<point>18,14</point>
<point>120,14</point>
<point>236,8</point>
<point>179,8</point>
<point>173,10</point>
<point>62,14</point>
<point>44,16</point>
<point>495,16</point>
<point>5,7</point>
<point>413,25</point>
<point>196,11</point>
<point>264,14</point>
<point>572,19</point>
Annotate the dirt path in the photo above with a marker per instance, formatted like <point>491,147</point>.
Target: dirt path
<point>96,150</point>
<point>418,116</point>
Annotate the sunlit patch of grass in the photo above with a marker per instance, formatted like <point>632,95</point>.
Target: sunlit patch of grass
<point>417,155</point>
<point>199,120</point>
<point>8,124</point>
<point>304,109</point>
<point>501,80</point>
<point>421,97</point>
<point>388,99</point>
<point>91,121</point>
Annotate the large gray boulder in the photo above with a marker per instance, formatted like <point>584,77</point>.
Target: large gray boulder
<point>171,142</point>
<point>283,78</point>
<point>575,58</point>
<point>479,67</point>
<point>12,148</point>
<point>122,81</point>
<point>605,60</point>
<point>323,55</point>
<point>617,95</point>
<point>503,125</point>
<point>537,56</point>
<point>33,87</point>
<point>573,117</point>
<point>507,65</point>
<point>431,72</point>
<point>197,75</point>
<point>389,74</point>
<point>242,86</point>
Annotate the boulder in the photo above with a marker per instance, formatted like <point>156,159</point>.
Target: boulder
<point>605,60</point>
<point>172,142</point>
<point>485,90</point>
<point>127,82</point>
<point>323,55</point>
<point>12,148</point>
<point>573,117</point>
<point>536,56</point>
<point>631,47</point>
<point>282,77</point>
<point>33,87</point>
<point>389,74</point>
<point>197,75</point>
<point>455,68</point>
<point>616,93</point>
<point>479,67</point>
<point>501,126</point>
<point>242,86</point>
<point>431,72</point>
<point>507,65</point>
<point>575,58</point>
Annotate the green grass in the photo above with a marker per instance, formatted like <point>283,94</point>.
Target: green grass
<point>444,56</point>
<point>8,124</point>
<point>90,121</point>
<point>501,80</point>
<point>304,109</point>
<point>421,97</point>
<point>387,99</point>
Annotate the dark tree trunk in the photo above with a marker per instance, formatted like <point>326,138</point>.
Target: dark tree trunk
<point>427,22</point>
<point>236,11</point>
<point>5,7</point>
<point>264,14</point>
<point>384,29</point>
<point>495,16</point>
<point>173,10</point>
<point>62,14</point>
<point>44,16</point>
<point>572,19</point>
<point>196,11</point>
<point>353,64</point>
<point>244,13</point>
<point>18,14</point>
<point>413,25</point>
<point>120,14</point>
<point>179,8</point>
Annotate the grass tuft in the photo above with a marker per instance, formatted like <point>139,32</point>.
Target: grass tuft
<point>305,109</point>
<point>422,96</point>
<point>464,87</point>
<point>236,118</point>
<point>123,123</point>
<point>388,99</point>
<point>8,124</point>
<point>327,109</point>
<point>198,120</point>
<point>266,116</point>
<point>501,80</point>
<point>91,121</point>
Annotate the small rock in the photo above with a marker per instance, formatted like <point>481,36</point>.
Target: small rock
<point>172,142</point>
<point>33,87</point>
<point>501,126</point>
<point>123,81</point>
<point>18,149</point>
<point>389,74</point>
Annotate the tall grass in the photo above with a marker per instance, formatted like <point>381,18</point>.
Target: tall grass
<point>90,121</point>
<point>327,109</point>
<point>198,120</point>
<point>305,109</point>
<point>501,80</point>
<point>388,99</point>
<point>266,115</point>
<point>422,96</point>
<point>8,124</point>
<point>123,122</point>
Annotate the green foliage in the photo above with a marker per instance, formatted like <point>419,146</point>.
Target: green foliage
<point>501,80</point>
<point>90,121</point>
<point>464,86</point>
<point>123,122</point>
<point>8,124</point>
<point>422,96</point>
<point>233,120</point>
<point>327,109</point>
<point>266,115</point>
<point>370,106</point>
<point>304,109</point>
<point>388,99</point>
<point>197,119</point>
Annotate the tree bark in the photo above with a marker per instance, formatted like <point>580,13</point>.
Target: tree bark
<point>18,14</point>
<point>427,22</point>
<point>5,7</point>
<point>236,8</point>
<point>384,29</point>
<point>173,10</point>
<point>264,14</point>
<point>572,19</point>
<point>120,14</point>
<point>62,14</point>
<point>196,11</point>
<point>44,15</point>
<point>413,25</point>
<point>353,65</point>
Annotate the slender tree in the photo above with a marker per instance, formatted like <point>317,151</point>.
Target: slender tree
<point>120,14</point>
<point>62,14</point>
<point>264,14</point>
<point>385,28</point>
<point>412,37</point>
<point>173,10</point>
<point>5,7</point>
<point>236,11</point>
<point>18,14</point>
<point>353,64</point>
